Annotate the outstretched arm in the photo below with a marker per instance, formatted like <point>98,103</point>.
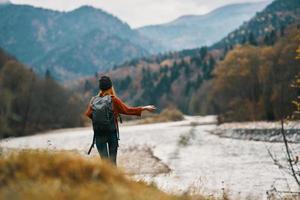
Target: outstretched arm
<point>122,108</point>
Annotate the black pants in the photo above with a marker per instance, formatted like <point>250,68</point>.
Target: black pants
<point>107,145</point>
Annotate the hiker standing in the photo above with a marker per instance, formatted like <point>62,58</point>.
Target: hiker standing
<point>104,110</point>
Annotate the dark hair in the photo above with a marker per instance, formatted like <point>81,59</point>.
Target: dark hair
<point>105,83</point>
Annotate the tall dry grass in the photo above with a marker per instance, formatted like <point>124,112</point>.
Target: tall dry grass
<point>59,175</point>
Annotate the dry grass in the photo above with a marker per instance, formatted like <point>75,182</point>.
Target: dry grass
<point>167,115</point>
<point>60,175</point>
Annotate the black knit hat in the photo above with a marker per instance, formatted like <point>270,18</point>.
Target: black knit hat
<point>105,83</point>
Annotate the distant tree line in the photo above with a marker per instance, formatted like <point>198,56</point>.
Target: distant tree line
<point>174,82</point>
<point>29,103</point>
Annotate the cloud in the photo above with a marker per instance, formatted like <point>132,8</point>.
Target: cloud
<point>138,12</point>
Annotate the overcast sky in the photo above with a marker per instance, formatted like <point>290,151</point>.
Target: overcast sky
<point>138,12</point>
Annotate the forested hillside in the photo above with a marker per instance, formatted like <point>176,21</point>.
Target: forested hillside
<point>254,83</point>
<point>265,26</point>
<point>181,79</point>
<point>69,44</point>
<point>29,103</point>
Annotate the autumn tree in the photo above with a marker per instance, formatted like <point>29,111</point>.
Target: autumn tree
<point>248,83</point>
<point>236,86</point>
<point>29,103</point>
<point>296,85</point>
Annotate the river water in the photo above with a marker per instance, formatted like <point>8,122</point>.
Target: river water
<point>199,161</point>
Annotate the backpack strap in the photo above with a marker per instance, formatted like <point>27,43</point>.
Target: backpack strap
<point>92,145</point>
<point>120,118</point>
<point>117,126</point>
<point>92,100</point>
<point>94,136</point>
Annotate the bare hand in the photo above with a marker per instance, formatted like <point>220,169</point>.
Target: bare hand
<point>149,108</point>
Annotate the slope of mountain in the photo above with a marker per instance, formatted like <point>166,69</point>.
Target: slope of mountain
<point>194,31</point>
<point>265,26</point>
<point>174,78</point>
<point>69,44</point>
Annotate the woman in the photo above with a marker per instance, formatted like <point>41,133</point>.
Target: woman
<point>107,143</point>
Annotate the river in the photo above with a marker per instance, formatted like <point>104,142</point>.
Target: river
<point>181,156</point>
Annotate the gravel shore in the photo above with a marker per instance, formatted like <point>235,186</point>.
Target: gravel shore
<point>259,131</point>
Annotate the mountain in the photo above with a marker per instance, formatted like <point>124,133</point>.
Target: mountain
<point>69,44</point>
<point>177,78</point>
<point>194,31</point>
<point>265,26</point>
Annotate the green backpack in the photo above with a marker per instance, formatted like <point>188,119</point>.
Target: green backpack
<point>103,115</point>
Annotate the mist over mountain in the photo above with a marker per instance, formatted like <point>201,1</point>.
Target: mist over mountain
<point>69,44</point>
<point>192,31</point>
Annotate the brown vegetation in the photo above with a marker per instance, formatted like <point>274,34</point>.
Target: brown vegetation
<point>29,103</point>
<point>296,85</point>
<point>247,83</point>
<point>167,115</point>
<point>43,175</point>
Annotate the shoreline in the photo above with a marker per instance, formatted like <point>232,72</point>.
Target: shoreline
<point>259,131</point>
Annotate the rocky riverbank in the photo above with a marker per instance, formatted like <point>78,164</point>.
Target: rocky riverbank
<point>259,131</point>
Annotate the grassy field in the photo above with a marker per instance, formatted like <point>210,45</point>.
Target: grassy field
<point>45,175</point>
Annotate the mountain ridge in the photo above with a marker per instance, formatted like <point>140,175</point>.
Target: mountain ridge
<point>277,15</point>
<point>34,35</point>
<point>192,31</point>
<point>221,9</point>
